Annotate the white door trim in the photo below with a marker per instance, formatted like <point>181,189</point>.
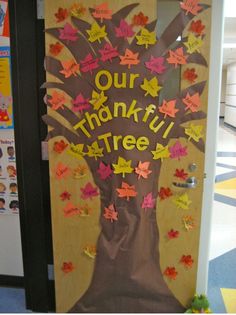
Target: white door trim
<point>215,69</point>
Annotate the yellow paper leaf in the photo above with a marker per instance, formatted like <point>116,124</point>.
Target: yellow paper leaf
<point>161,152</point>
<point>146,38</point>
<point>122,167</point>
<point>193,43</point>
<point>151,87</point>
<point>194,132</point>
<point>94,150</point>
<point>76,150</point>
<point>182,201</point>
<point>98,100</point>
<point>96,32</point>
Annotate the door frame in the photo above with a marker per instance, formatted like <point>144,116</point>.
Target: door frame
<point>215,68</point>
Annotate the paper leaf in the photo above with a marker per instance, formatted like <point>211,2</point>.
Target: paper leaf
<point>168,108</point>
<point>104,171</point>
<point>197,27</point>
<point>170,273</point>
<point>182,201</point>
<point>85,210</point>
<point>61,15</point>
<point>146,38</point>
<point>57,100</point>
<point>192,102</point>
<point>189,222</point>
<point>148,202</point>
<point>129,58</point>
<point>140,19</point>
<point>156,65</point>
<point>187,261</point>
<point>89,64</point>
<point>59,146</point>
<point>126,191</point>
<point>70,67</point>
<point>151,87</point>
<point>122,167</point>
<point>67,267</point>
<point>90,251</point>
<point>165,193</point>
<point>55,49</point>
<point>62,171</point>
<point>194,132</point>
<point>190,75</point>
<point>76,150</point>
<point>98,100</point>
<point>70,210</point>
<point>110,213</point>
<point>80,171</point>
<point>161,152</point>
<point>102,12</point>
<point>177,57</point>
<point>180,173</point>
<point>143,169</point>
<point>193,43</point>
<point>94,150</point>
<point>177,151</point>
<point>108,52</point>
<point>96,33</point>
<point>88,192</point>
<point>65,195</point>
<point>80,104</point>
<point>68,33</point>
<point>172,234</point>
<point>191,6</point>
<point>124,30</point>
<point>77,10</point>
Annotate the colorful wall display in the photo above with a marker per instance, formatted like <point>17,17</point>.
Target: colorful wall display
<point>125,231</point>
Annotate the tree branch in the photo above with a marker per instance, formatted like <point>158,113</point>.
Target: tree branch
<point>193,116</point>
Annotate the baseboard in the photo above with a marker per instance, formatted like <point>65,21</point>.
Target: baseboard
<point>11,281</point>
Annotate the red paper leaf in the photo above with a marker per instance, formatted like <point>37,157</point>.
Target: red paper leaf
<point>102,12</point>
<point>171,273</point>
<point>57,100</point>
<point>177,151</point>
<point>88,192</point>
<point>143,169</point>
<point>80,104</point>
<point>180,173</point>
<point>148,202</point>
<point>65,195</point>
<point>192,102</point>
<point>104,171</point>
<point>177,57</point>
<point>156,65</point>
<point>191,6</point>
<point>89,64</point>
<point>140,19</point>
<point>190,75</point>
<point>108,52</point>
<point>168,108</point>
<point>68,33</point>
<point>110,213</point>
<point>61,15</point>
<point>165,193</point>
<point>67,267</point>
<point>197,27</point>
<point>187,261</point>
<point>124,30</point>
<point>172,234</point>
<point>126,191</point>
<point>55,49</point>
<point>59,146</point>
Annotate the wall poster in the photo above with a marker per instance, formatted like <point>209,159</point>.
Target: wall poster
<point>125,227</point>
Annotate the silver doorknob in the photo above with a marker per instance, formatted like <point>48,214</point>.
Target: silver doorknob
<point>191,182</point>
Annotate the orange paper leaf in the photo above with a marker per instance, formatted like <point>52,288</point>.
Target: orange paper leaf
<point>143,169</point>
<point>70,67</point>
<point>70,210</point>
<point>126,191</point>
<point>57,100</point>
<point>62,171</point>
<point>129,58</point>
<point>191,6</point>
<point>110,213</point>
<point>168,108</point>
<point>177,57</point>
<point>102,12</point>
<point>192,102</point>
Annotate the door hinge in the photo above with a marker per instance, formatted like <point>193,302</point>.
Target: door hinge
<point>40,9</point>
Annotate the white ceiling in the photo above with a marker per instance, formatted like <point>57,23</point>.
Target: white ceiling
<point>229,54</point>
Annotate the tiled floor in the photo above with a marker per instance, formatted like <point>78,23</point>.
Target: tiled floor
<point>221,291</point>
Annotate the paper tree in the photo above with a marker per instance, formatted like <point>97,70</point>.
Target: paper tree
<point>127,264</point>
